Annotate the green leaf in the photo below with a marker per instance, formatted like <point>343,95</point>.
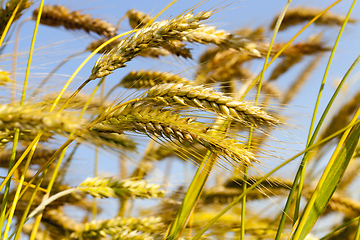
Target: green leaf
<point>327,185</point>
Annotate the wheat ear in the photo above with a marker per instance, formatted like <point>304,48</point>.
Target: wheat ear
<point>155,35</point>
<point>298,15</point>
<point>162,123</point>
<point>119,228</point>
<point>150,52</point>
<point>209,100</point>
<point>40,156</point>
<point>29,117</point>
<point>147,79</point>
<point>61,16</point>
<point>137,19</point>
<point>4,78</point>
<point>113,141</point>
<point>111,187</point>
<point>5,13</point>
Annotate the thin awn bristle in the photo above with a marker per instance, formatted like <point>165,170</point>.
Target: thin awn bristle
<point>61,16</point>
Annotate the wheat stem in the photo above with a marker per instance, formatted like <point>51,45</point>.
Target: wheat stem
<point>312,135</point>
<point>235,201</point>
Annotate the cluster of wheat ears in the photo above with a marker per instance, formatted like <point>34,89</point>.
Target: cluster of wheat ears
<point>202,119</point>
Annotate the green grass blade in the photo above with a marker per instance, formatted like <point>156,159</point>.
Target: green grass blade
<point>327,184</point>
<point>191,197</point>
<point>340,227</point>
<point>317,129</point>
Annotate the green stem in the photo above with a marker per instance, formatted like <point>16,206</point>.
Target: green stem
<point>278,23</point>
<point>17,193</point>
<point>313,135</point>
<point>340,227</point>
<point>8,183</point>
<point>357,234</point>
<point>192,196</point>
<point>317,129</point>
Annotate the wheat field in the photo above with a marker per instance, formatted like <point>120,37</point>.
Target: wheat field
<point>179,120</point>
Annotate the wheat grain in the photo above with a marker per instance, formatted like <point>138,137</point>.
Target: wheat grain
<point>301,14</point>
<point>184,28</point>
<point>7,135</point>
<point>139,19</point>
<point>210,100</point>
<point>226,66</point>
<point>215,62</point>
<point>295,53</point>
<point>56,16</point>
